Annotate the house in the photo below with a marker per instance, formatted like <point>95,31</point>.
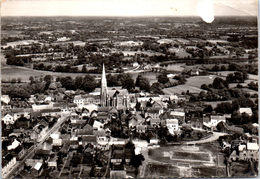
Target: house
<point>71,107</point>
<point>39,107</point>
<point>52,162</point>
<point>215,119</point>
<point>141,128</point>
<point>51,112</point>
<point>8,119</point>
<point>245,110</point>
<point>92,99</point>
<point>245,151</point>
<point>153,113</point>
<point>154,141</point>
<point>153,121</point>
<point>98,125</point>
<point>21,112</point>
<point>132,123</point>
<point>5,99</point>
<point>86,130</point>
<point>197,123</point>
<point>14,145</point>
<point>88,139</point>
<point>79,100</point>
<point>118,156</point>
<point>172,125</point>
<point>252,150</point>
<point>180,115</point>
<point>8,162</point>
<point>39,131</point>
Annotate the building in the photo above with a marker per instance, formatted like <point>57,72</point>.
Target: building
<point>8,162</point>
<point>172,125</point>
<point>104,91</point>
<point>245,110</point>
<point>180,115</point>
<point>214,120</point>
<point>8,119</point>
<point>5,99</point>
<point>246,151</point>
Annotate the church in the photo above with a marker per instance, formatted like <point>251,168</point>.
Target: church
<point>113,97</point>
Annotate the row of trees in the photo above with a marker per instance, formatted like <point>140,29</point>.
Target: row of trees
<point>245,68</point>
<point>86,83</point>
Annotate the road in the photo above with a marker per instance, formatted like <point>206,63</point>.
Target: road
<point>212,138</point>
<point>55,127</point>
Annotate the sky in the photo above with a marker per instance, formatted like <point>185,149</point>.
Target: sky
<point>201,8</point>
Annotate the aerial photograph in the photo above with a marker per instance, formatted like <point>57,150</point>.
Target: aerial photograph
<point>129,89</point>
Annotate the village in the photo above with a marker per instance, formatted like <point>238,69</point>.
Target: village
<point>104,133</point>
<point>132,100</point>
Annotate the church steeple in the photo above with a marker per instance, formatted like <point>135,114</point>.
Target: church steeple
<point>103,92</point>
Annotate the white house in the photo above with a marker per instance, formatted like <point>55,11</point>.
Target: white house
<point>5,99</point>
<point>245,110</point>
<point>79,100</point>
<point>172,125</point>
<point>214,120</point>
<point>8,119</point>
<point>97,125</point>
<point>14,144</point>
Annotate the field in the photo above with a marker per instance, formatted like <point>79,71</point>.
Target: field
<point>10,72</point>
<point>190,156</point>
<point>186,161</point>
<point>241,169</point>
<point>151,76</point>
<point>159,170</point>
<point>215,103</point>
<point>175,67</point>
<point>178,154</point>
<point>193,84</point>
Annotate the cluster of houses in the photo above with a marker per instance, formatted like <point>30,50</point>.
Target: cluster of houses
<point>90,129</point>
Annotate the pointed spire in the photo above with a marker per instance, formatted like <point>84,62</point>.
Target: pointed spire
<point>103,94</point>
<point>103,78</point>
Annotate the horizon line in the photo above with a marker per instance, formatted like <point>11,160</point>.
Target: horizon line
<point>125,16</point>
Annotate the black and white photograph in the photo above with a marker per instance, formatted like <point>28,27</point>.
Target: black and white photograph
<point>129,89</point>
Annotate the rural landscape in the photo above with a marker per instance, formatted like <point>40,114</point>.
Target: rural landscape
<point>129,97</point>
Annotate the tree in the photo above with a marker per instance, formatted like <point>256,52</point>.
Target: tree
<point>162,78</point>
<point>204,87</point>
<point>112,80</point>
<point>127,82</point>
<point>89,83</point>
<point>208,109</point>
<point>219,83</point>
<point>224,108</point>
<point>156,88</point>
<point>84,69</point>
<point>136,160</point>
<point>31,79</point>
<point>143,83</point>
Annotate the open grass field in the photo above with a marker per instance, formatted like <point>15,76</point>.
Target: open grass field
<point>175,154</point>
<point>194,161</point>
<point>193,84</point>
<point>190,156</point>
<point>159,170</point>
<point>241,169</point>
<point>181,88</point>
<point>151,76</point>
<point>175,67</point>
<point>10,72</point>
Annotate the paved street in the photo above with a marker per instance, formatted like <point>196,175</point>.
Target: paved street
<point>212,138</point>
<point>36,146</point>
